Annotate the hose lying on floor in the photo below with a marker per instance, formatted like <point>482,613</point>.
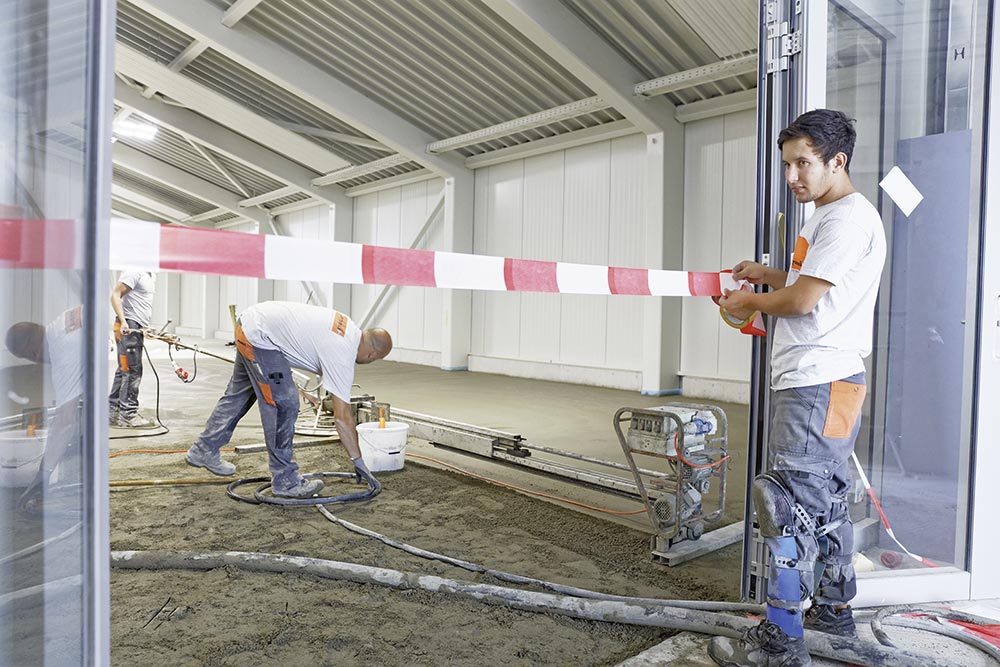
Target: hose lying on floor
<point>705,622</point>
<point>706,605</point>
<point>885,615</point>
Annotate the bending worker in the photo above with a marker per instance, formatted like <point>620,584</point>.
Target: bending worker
<point>271,337</point>
<point>825,308</point>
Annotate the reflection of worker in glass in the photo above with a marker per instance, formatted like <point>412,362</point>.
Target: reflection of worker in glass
<point>60,347</point>
<point>825,307</point>
<point>132,301</point>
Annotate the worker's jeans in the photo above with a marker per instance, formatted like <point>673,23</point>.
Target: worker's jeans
<point>124,396</point>
<point>813,430</point>
<point>265,377</point>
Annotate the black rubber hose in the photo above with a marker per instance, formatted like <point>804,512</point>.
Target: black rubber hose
<point>260,498</point>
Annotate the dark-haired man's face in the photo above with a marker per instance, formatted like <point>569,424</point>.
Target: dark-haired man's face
<point>809,178</point>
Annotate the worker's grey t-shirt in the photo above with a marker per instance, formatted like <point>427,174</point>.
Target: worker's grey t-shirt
<point>315,339</point>
<point>137,304</point>
<point>842,243</point>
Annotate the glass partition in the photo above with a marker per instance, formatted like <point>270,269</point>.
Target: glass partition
<point>53,180</point>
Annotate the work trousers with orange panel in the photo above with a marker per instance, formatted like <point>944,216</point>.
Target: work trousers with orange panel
<point>813,430</point>
<point>263,377</point>
<point>124,396</point>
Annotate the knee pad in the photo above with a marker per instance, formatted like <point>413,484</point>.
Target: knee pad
<point>777,512</point>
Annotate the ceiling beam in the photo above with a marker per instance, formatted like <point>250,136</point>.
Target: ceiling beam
<point>178,179</point>
<point>207,215</point>
<point>717,106</point>
<point>560,142</point>
<point>182,60</point>
<point>333,136</point>
<point>211,104</point>
<point>269,196</point>
<point>145,203</point>
<point>507,128</point>
<point>354,171</point>
<point>574,45</point>
<point>121,206</point>
<point>224,141</point>
<point>698,76</point>
<point>237,11</point>
<point>200,19</point>
<point>399,181</point>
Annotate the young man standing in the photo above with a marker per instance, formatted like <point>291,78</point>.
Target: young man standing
<point>825,307</point>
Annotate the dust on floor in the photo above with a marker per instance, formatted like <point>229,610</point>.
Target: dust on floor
<point>232,617</point>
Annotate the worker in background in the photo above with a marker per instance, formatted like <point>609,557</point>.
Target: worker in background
<point>271,338</point>
<point>132,301</point>
<point>824,307</point>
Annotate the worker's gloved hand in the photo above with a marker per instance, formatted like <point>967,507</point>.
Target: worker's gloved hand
<point>362,474</point>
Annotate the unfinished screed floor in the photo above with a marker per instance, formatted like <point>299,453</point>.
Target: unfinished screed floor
<point>230,617</point>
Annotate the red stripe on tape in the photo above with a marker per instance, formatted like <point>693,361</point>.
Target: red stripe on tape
<point>368,264</point>
<point>212,251</point>
<point>529,275</point>
<point>703,283</point>
<point>399,266</point>
<point>508,273</point>
<point>628,281</point>
<point>37,244</point>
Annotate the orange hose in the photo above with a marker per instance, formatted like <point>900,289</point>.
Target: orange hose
<point>159,451</point>
<point>523,490</point>
<point>677,450</point>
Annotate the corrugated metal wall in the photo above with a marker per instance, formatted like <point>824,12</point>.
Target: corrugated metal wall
<point>580,205</point>
<point>719,210</point>
<point>412,315</point>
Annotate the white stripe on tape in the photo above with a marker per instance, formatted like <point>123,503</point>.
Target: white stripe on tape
<point>302,259</point>
<point>135,245</point>
<point>582,279</point>
<point>468,271</point>
<point>726,282</point>
<point>668,283</point>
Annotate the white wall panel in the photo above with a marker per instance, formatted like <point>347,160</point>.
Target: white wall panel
<point>541,318</point>
<point>393,217</point>
<point>587,197</point>
<point>504,211</point>
<point>719,211</point>
<point>626,244</point>
<point>192,304</point>
<point>581,205</point>
<point>739,229</point>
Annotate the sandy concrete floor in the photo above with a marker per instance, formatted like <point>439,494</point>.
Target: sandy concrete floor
<point>231,617</point>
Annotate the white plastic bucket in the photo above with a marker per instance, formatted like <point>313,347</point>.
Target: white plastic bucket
<point>20,456</point>
<point>383,448</point>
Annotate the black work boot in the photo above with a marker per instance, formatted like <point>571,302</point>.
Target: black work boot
<point>824,618</point>
<point>764,645</point>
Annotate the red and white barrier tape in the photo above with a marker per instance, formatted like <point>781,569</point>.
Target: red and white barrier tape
<point>149,246</point>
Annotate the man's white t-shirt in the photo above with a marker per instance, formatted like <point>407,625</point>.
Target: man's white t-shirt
<point>843,243</point>
<point>137,304</point>
<point>64,339</point>
<point>312,338</point>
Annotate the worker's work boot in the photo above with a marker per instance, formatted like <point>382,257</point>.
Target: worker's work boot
<point>824,618</point>
<point>134,421</point>
<point>764,645</point>
<point>305,488</point>
<point>210,462</point>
